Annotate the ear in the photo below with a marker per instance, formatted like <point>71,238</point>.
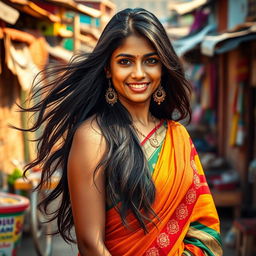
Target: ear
<point>107,71</point>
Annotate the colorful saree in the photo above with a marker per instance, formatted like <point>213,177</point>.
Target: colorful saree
<point>189,223</point>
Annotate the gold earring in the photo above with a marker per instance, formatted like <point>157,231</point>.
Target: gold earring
<point>110,95</point>
<point>159,95</point>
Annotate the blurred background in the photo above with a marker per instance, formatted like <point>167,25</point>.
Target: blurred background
<point>216,42</point>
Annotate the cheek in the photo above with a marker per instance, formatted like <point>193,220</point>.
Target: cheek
<point>155,72</point>
<point>119,74</point>
<point>118,77</point>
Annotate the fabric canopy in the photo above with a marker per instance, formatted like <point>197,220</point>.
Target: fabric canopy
<point>185,44</point>
<point>20,63</point>
<point>26,54</point>
<point>227,41</point>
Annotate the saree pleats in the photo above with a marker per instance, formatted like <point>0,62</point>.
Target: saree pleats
<point>182,196</point>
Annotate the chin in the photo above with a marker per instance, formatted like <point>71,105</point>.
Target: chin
<point>140,100</point>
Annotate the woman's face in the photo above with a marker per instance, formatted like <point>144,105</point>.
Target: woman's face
<point>135,70</point>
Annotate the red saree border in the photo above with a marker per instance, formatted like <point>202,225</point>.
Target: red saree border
<point>168,236</point>
<point>152,132</point>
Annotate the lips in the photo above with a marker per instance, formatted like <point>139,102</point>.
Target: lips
<point>138,87</point>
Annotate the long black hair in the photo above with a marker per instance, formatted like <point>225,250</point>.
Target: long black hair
<point>77,93</point>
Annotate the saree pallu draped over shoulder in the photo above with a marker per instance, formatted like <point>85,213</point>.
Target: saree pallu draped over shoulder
<point>188,222</point>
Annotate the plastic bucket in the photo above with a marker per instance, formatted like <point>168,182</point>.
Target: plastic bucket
<point>12,209</point>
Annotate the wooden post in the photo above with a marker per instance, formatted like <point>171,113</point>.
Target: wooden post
<point>76,34</point>
<point>24,118</point>
<point>222,110</point>
<point>222,13</point>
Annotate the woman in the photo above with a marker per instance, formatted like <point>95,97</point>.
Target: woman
<point>132,183</point>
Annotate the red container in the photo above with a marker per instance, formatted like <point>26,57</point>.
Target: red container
<point>12,209</point>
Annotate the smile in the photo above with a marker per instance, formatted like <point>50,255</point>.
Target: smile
<point>138,85</point>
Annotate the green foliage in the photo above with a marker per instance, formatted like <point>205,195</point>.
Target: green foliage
<point>17,173</point>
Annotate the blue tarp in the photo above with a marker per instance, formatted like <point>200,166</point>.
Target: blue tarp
<point>226,42</point>
<point>185,44</point>
<point>233,43</point>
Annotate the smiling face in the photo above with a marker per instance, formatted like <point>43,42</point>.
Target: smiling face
<point>135,70</point>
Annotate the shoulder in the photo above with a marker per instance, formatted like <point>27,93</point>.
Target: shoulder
<point>88,145</point>
<point>88,132</point>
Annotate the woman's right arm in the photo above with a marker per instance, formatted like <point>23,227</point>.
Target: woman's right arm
<point>87,192</point>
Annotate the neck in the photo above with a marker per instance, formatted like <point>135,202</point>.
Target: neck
<point>142,118</point>
<point>139,113</point>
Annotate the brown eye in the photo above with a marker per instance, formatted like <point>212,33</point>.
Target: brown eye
<point>124,62</point>
<point>151,61</point>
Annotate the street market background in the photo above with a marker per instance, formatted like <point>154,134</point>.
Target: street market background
<point>216,42</point>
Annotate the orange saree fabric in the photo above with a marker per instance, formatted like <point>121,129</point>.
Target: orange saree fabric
<point>182,198</point>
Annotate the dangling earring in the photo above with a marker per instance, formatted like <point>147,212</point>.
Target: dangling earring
<point>159,95</point>
<point>111,95</point>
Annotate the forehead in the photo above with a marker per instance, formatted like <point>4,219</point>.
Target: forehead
<point>135,45</point>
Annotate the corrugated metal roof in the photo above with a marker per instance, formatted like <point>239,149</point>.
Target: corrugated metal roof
<point>232,39</point>
<point>59,53</point>
<point>105,2</point>
<point>186,7</point>
<point>34,10</point>
<point>8,14</point>
<point>178,32</point>
<point>90,30</point>
<point>72,5</point>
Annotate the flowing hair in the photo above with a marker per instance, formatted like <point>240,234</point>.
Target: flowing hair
<point>78,93</point>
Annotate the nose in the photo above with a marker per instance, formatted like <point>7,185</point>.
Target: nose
<point>138,72</point>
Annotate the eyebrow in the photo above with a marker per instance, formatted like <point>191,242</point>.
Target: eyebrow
<point>132,56</point>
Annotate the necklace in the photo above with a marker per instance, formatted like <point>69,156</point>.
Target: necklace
<point>153,141</point>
